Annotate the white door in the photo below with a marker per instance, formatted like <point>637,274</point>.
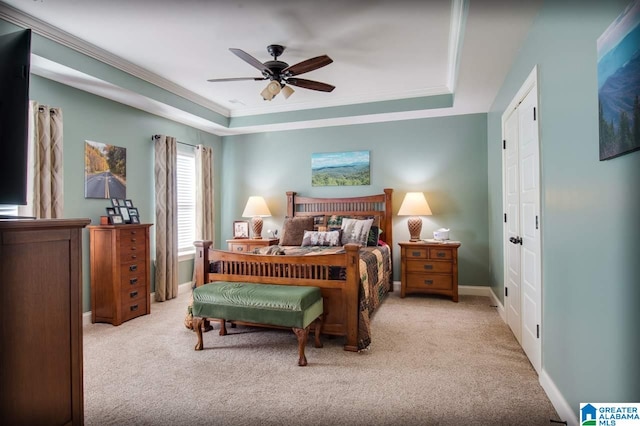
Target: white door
<point>521,174</point>
<point>512,224</point>
<point>529,155</point>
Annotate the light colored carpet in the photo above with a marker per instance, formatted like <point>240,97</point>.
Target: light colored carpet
<point>431,362</point>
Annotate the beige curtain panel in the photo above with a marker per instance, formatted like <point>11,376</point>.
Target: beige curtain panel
<point>46,183</point>
<point>166,225</point>
<point>205,229</point>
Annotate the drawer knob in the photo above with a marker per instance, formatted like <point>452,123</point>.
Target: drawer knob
<point>133,268</point>
<point>428,282</point>
<point>134,248</point>
<point>133,240</point>
<point>239,248</point>
<point>441,254</point>
<point>134,256</point>
<point>134,307</point>
<point>133,294</point>
<point>428,266</point>
<point>133,281</point>
<point>415,254</point>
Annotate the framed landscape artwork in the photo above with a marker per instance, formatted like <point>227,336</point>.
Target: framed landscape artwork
<point>105,171</point>
<point>340,168</point>
<point>619,84</point>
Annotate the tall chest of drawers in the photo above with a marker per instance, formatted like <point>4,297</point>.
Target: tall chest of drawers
<point>430,268</point>
<point>120,272</point>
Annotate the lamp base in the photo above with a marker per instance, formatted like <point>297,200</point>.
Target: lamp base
<point>415,227</point>
<point>256,224</point>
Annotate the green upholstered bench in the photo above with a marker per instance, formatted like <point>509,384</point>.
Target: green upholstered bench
<point>276,305</point>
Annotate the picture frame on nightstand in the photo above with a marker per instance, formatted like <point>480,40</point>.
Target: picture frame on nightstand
<point>240,229</point>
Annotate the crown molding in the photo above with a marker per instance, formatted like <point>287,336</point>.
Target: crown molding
<point>63,38</point>
<point>459,11</point>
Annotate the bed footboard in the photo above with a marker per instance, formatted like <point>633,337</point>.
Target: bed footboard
<point>340,293</point>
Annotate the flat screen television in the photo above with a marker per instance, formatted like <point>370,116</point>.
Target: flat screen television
<point>15,53</point>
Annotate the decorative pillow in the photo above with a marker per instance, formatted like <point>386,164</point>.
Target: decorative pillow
<point>373,236</point>
<point>293,230</point>
<point>355,231</point>
<point>319,238</point>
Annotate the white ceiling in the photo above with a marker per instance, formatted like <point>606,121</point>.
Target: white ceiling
<point>382,50</point>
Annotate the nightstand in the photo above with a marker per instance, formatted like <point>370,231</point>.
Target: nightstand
<point>429,268</point>
<point>247,245</point>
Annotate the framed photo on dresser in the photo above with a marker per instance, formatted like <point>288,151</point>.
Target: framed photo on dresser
<point>240,229</point>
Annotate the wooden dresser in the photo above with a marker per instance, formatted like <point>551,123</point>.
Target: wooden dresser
<point>430,268</point>
<point>247,245</point>
<point>120,272</point>
<point>41,316</point>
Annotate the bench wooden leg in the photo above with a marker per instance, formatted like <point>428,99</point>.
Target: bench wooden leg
<point>319,324</point>
<point>302,334</point>
<point>223,328</point>
<point>207,326</point>
<point>197,327</point>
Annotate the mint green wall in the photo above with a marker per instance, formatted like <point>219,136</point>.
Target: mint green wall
<point>444,157</point>
<point>90,117</point>
<point>590,225</point>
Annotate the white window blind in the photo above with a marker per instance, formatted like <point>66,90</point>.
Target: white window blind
<point>186,175</point>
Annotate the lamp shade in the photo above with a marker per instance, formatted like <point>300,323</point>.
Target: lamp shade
<point>414,205</point>
<point>256,208</point>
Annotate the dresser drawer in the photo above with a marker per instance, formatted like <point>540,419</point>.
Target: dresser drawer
<point>133,293</point>
<point>132,309</point>
<point>132,253</point>
<point>427,281</point>
<point>131,271</point>
<point>429,267</point>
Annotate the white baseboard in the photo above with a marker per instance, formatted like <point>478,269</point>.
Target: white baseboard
<point>500,306</point>
<point>182,288</point>
<point>474,290</point>
<point>559,403</point>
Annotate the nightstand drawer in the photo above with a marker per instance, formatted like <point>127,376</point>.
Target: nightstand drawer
<point>237,247</point>
<point>429,267</point>
<point>440,253</point>
<point>417,253</point>
<point>427,281</point>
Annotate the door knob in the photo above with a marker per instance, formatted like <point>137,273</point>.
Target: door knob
<point>516,240</point>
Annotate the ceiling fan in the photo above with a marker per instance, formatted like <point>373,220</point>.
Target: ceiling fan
<point>280,73</point>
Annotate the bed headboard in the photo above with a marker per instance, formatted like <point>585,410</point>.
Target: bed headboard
<point>371,205</point>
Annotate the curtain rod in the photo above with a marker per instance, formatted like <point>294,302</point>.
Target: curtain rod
<point>183,143</point>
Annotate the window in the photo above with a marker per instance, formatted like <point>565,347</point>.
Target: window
<point>186,176</point>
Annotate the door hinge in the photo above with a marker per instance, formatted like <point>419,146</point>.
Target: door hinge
<point>534,113</point>
<point>538,331</point>
<point>505,218</point>
<point>504,144</point>
<point>506,292</point>
<point>536,222</point>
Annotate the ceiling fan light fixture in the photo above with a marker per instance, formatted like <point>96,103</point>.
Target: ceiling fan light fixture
<point>266,94</point>
<point>287,91</point>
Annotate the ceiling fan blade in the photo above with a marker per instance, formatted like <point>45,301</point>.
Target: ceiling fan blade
<point>215,80</point>
<point>250,60</point>
<point>310,84</point>
<point>308,65</point>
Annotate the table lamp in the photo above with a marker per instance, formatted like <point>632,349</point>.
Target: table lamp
<point>414,205</point>
<point>256,209</point>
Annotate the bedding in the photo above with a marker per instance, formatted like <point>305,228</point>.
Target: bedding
<point>375,276</point>
<point>354,279</point>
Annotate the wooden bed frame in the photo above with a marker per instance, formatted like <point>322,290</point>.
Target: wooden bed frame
<point>340,296</point>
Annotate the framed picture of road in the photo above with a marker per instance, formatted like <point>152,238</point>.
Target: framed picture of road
<point>105,171</point>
